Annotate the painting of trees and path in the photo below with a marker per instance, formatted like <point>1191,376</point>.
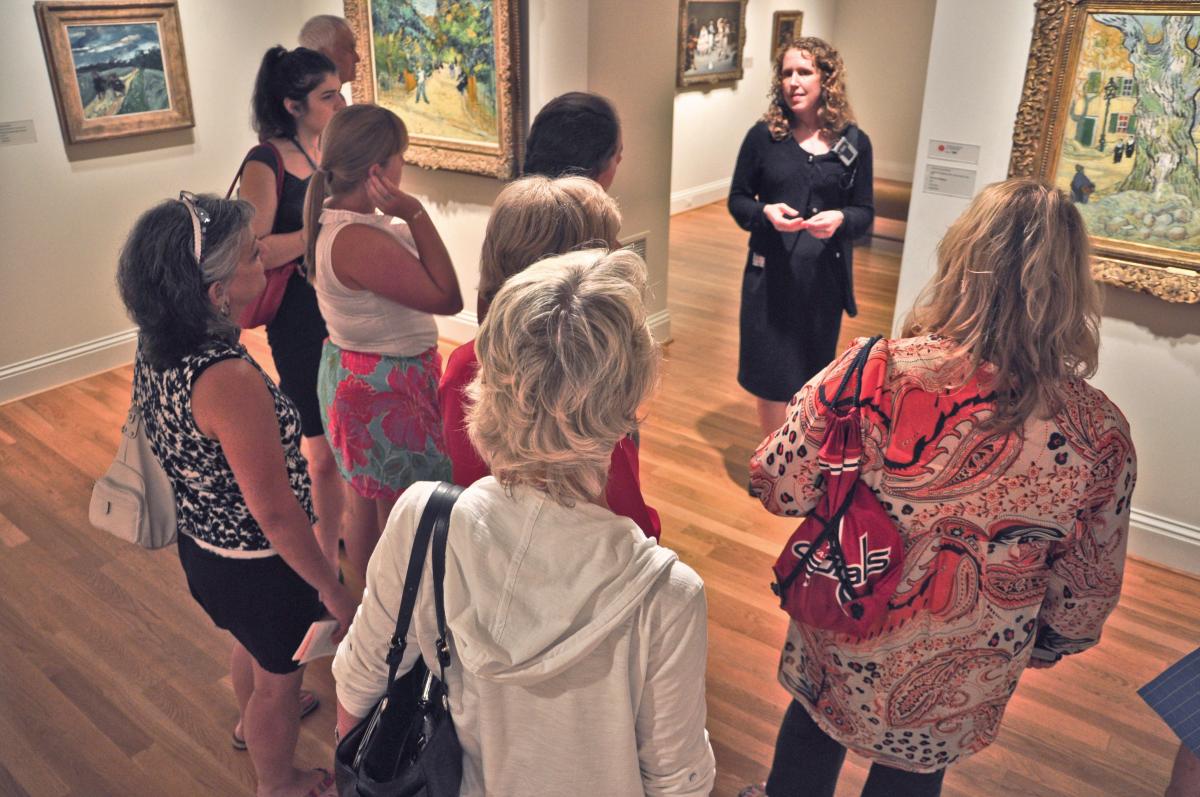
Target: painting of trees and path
<point>435,66</point>
<point>119,68</point>
<point>1128,146</point>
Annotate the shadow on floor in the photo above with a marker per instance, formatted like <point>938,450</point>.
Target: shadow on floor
<point>733,431</point>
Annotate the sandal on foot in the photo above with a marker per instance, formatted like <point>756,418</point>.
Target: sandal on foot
<point>325,787</point>
<point>309,703</point>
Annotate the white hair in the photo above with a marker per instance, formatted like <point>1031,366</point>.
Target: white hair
<point>320,32</point>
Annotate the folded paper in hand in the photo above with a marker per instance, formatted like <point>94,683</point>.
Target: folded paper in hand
<point>318,642</point>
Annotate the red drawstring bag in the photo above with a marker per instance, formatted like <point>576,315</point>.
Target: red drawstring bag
<point>841,566</point>
<point>262,310</point>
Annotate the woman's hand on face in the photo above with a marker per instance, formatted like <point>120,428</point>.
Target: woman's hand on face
<point>388,197</point>
<point>341,605</point>
<point>825,223</point>
<point>784,217</point>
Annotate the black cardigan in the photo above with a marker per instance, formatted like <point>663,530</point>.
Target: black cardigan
<point>765,174</point>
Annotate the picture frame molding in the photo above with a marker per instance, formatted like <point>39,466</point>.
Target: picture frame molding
<point>776,21</point>
<point>53,17</point>
<point>501,160</point>
<point>729,76</point>
<point>1038,130</point>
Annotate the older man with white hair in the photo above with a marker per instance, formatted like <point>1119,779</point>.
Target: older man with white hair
<point>333,37</point>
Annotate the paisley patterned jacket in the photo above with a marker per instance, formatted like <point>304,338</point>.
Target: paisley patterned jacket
<point>1013,541</point>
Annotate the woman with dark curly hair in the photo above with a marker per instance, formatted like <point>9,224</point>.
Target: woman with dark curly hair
<point>229,440</point>
<point>803,189</point>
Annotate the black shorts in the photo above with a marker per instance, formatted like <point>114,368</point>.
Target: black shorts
<point>262,602</point>
<point>296,336</point>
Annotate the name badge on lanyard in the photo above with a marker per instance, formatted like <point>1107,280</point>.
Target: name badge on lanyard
<point>846,152</point>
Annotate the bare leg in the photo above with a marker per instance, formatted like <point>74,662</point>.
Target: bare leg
<point>271,723</point>
<point>360,529</point>
<point>241,669</point>
<point>327,495</point>
<point>1185,777</point>
<point>771,415</point>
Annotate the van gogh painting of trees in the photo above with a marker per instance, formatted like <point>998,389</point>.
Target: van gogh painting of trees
<point>1133,130</point>
<point>447,67</point>
<point>1108,113</point>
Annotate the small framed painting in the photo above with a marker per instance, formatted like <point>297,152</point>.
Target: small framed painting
<point>117,68</point>
<point>711,36</point>
<point>785,28</point>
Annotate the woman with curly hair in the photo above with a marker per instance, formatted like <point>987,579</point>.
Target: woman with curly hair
<point>802,187</point>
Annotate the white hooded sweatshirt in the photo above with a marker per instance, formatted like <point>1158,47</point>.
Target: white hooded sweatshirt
<point>578,646</point>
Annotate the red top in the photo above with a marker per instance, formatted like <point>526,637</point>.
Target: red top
<point>623,492</point>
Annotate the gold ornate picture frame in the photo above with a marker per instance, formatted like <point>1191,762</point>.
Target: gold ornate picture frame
<point>453,77</point>
<point>1108,113</point>
<point>712,35</point>
<point>117,68</point>
<point>785,28</point>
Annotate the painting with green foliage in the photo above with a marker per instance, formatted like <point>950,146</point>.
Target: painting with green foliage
<point>1128,152</point>
<point>435,66</point>
<point>119,69</point>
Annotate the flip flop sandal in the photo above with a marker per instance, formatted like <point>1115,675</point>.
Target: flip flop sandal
<point>324,787</point>
<point>309,703</point>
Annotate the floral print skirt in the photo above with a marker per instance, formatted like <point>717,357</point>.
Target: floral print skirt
<point>382,419</point>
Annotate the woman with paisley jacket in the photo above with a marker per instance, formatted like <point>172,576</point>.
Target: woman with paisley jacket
<point>1008,478</point>
<point>803,189</point>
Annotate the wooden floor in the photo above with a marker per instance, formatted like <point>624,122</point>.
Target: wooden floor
<point>113,682</point>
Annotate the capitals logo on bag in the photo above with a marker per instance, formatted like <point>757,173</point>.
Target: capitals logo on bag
<point>841,566</point>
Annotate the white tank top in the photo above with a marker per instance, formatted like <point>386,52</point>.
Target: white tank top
<point>359,320</point>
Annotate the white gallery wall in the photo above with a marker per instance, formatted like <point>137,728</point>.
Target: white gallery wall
<point>884,44</point>
<point>66,210</point>
<point>1150,349</point>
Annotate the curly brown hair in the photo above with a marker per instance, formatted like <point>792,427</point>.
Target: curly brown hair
<point>835,113</point>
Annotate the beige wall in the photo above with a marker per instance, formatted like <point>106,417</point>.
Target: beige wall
<point>1150,349</point>
<point>67,210</point>
<point>885,44</point>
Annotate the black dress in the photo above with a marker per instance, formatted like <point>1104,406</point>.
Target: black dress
<point>298,331</point>
<point>795,286</point>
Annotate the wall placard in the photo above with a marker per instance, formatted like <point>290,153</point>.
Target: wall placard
<point>18,132</point>
<point>949,181</point>
<point>953,151</point>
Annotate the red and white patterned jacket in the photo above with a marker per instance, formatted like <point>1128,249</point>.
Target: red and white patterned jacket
<point>1012,541</point>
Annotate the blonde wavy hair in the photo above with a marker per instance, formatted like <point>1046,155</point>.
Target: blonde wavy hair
<point>565,360</point>
<point>835,112</point>
<point>537,216</point>
<point>1014,290</point>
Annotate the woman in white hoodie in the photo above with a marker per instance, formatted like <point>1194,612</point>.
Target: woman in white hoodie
<point>578,645</point>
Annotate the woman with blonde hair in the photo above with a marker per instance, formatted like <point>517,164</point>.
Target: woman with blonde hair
<point>379,279</point>
<point>533,218</point>
<point>577,645</point>
<point>803,189</point>
<point>1008,478</point>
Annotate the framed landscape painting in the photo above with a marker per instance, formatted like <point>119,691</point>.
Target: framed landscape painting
<point>711,36</point>
<point>785,28</point>
<point>117,69</point>
<point>451,70</point>
<point>1109,115</point>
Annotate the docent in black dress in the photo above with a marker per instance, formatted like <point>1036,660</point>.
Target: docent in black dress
<point>803,189</point>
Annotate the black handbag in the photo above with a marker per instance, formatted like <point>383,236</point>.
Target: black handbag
<point>407,744</point>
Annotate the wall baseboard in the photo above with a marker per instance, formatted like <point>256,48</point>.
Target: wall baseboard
<point>660,326</point>
<point>458,328</point>
<point>699,195</point>
<point>66,365</point>
<point>894,170</point>
<point>1164,540</point>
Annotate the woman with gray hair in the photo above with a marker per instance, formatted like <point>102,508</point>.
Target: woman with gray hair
<point>229,441</point>
<point>578,645</point>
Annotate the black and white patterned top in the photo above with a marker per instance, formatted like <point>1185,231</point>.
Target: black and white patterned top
<point>208,503</point>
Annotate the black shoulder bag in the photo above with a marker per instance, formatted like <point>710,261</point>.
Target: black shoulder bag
<point>407,744</point>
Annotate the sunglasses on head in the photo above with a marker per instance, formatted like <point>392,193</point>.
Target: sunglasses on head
<point>200,221</point>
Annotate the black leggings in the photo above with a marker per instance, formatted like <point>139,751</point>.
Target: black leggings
<point>807,763</point>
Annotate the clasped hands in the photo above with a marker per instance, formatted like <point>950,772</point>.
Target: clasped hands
<point>785,218</point>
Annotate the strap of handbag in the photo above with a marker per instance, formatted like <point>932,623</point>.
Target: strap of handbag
<point>435,517</point>
<point>278,172</point>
